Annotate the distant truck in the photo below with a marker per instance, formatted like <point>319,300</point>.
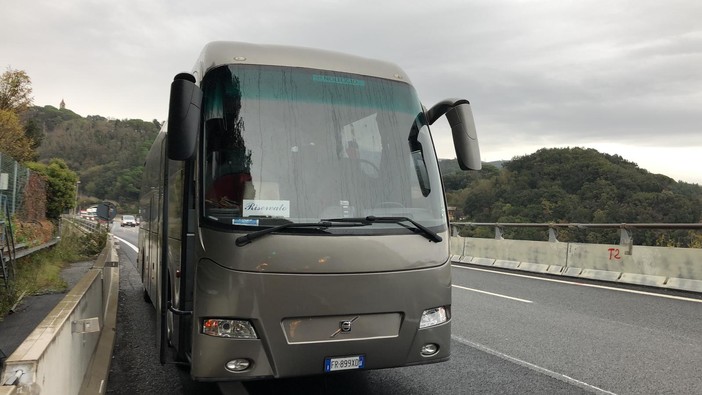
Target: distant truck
<point>90,213</point>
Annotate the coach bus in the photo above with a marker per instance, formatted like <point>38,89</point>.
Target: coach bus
<point>293,216</point>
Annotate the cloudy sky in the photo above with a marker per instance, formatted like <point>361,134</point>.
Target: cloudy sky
<point>623,77</point>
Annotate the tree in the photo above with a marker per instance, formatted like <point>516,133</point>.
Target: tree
<point>12,138</point>
<point>15,99</point>
<point>33,132</point>
<point>60,186</point>
<point>15,91</point>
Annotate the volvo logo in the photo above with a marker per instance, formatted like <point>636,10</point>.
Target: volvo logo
<point>344,326</point>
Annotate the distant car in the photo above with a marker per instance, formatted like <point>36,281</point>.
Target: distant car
<point>128,220</point>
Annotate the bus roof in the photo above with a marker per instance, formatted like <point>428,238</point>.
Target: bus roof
<point>219,53</point>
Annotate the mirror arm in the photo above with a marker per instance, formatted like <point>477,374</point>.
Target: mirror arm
<point>465,139</point>
<point>442,108</point>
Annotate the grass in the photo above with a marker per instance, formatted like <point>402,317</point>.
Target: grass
<point>40,273</point>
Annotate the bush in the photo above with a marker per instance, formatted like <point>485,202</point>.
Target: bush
<point>33,233</point>
<point>93,243</point>
<point>40,273</point>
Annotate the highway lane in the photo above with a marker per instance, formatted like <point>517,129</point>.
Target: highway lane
<point>622,340</point>
<point>500,345</point>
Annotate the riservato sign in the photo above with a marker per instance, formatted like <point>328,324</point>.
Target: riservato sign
<point>266,208</point>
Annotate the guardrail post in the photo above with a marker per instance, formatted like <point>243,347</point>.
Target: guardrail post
<point>626,239</point>
<point>498,233</point>
<point>552,235</point>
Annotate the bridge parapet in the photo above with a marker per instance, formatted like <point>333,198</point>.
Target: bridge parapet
<point>668,267</point>
<point>59,356</point>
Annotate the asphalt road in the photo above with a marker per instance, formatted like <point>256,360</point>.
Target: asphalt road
<point>621,340</point>
<point>513,334</point>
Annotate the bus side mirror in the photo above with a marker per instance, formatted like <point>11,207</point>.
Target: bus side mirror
<point>183,117</point>
<point>465,137</point>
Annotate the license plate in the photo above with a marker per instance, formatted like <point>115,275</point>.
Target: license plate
<point>344,363</point>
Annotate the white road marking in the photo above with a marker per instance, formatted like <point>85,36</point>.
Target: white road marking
<point>550,373</point>
<point>553,280</point>
<point>493,294</point>
<point>132,246</point>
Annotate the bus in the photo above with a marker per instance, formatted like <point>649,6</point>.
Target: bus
<point>293,216</point>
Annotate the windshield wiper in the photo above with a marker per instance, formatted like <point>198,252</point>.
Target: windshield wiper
<point>324,224</point>
<point>426,232</point>
<point>332,222</point>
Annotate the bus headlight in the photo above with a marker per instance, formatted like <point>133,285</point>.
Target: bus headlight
<point>434,316</point>
<point>219,327</point>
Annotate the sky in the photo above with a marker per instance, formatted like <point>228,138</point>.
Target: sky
<point>621,76</point>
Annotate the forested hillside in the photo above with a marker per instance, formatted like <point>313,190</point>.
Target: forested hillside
<point>107,154</point>
<point>560,185</point>
<point>574,185</point>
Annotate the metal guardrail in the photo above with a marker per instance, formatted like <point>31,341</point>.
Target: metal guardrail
<point>22,250</point>
<point>85,225</point>
<point>697,225</point>
<point>625,229</point>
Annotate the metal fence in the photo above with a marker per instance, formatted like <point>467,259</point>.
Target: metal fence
<point>13,179</point>
<point>626,231</point>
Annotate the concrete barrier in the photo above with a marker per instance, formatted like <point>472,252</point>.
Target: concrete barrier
<point>59,356</point>
<point>602,275</point>
<point>555,269</point>
<point>572,271</point>
<point>516,250</point>
<point>456,244</point>
<point>685,284</point>
<point>481,261</point>
<point>643,279</point>
<point>666,267</point>
<point>506,264</point>
<point>534,267</point>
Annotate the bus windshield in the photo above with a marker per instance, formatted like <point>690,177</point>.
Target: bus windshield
<point>292,145</point>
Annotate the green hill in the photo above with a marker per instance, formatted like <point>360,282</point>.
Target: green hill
<point>107,154</point>
<point>573,185</point>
